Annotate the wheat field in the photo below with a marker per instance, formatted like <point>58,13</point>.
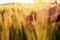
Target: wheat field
<point>27,22</point>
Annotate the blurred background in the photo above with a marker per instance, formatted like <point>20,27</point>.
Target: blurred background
<point>28,1</point>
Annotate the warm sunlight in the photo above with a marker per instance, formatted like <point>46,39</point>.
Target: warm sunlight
<point>14,1</point>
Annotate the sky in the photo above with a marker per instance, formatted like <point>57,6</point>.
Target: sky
<point>25,1</point>
<point>14,1</point>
